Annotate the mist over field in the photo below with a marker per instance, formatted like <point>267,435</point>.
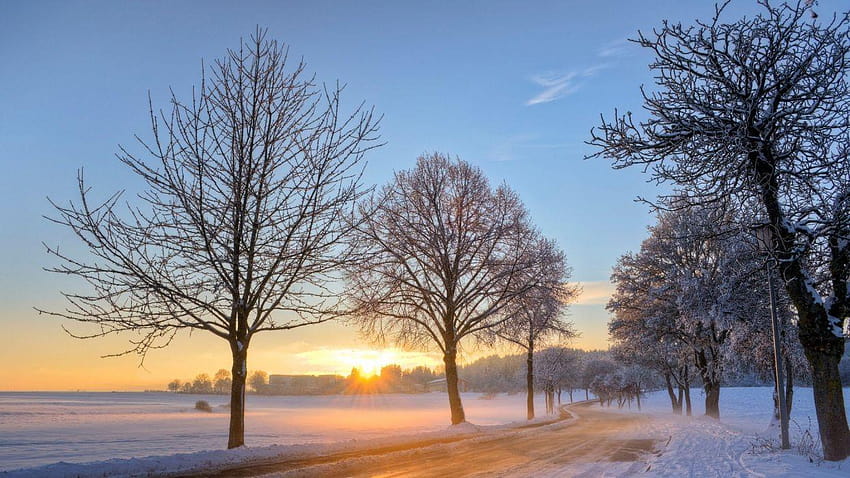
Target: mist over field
<point>43,428</point>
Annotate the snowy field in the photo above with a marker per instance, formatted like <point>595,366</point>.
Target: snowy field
<point>42,428</point>
<point>110,428</point>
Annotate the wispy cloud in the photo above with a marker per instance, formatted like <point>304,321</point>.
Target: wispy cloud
<point>614,48</point>
<point>556,86</point>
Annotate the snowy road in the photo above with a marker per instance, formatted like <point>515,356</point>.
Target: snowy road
<point>599,443</point>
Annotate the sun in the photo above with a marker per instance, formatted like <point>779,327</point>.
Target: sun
<point>370,362</point>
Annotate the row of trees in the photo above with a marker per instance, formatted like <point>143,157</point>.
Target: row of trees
<point>391,379</point>
<point>557,370</point>
<point>443,257</point>
<point>693,304</point>
<point>220,383</point>
<point>751,118</point>
<point>255,216</point>
<point>602,375</point>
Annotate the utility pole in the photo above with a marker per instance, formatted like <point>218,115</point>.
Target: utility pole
<point>765,236</point>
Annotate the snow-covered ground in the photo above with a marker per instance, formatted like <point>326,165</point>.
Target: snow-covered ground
<point>110,429</point>
<point>743,442</point>
<point>44,428</point>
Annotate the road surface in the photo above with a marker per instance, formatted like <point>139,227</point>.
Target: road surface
<point>596,443</point>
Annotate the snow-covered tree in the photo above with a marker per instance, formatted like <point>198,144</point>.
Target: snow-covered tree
<point>756,110</point>
<point>554,368</point>
<point>687,288</point>
<point>660,353</point>
<point>751,344</point>
<point>642,328</point>
<point>595,365</point>
<point>441,254</point>
<point>569,376</point>
<point>494,373</point>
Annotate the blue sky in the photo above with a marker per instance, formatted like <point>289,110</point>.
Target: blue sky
<point>513,87</point>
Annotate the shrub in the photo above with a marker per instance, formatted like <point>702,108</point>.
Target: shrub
<point>203,406</point>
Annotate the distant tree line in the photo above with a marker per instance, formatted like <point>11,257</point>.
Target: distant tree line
<point>220,383</point>
<point>391,379</point>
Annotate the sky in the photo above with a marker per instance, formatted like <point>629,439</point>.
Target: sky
<point>512,87</point>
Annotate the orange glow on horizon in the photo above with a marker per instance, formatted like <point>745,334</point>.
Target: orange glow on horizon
<point>370,362</point>
<point>58,362</point>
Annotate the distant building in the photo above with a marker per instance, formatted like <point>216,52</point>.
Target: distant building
<point>439,385</point>
<point>305,384</point>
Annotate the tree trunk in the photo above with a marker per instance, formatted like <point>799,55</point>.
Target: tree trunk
<point>688,408</point>
<point>709,382</point>
<point>586,396</point>
<point>823,349</point>
<point>239,371</point>
<point>455,404</point>
<point>529,383</point>
<point>637,398</point>
<point>677,406</point>
<point>712,399</point>
<point>681,400</point>
<point>829,404</point>
<point>550,393</point>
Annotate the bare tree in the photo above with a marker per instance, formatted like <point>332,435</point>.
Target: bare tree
<point>239,229</point>
<point>539,313</point>
<point>258,380</point>
<point>222,381</point>
<point>174,385</point>
<point>202,384</point>
<point>441,253</point>
<point>756,110</point>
